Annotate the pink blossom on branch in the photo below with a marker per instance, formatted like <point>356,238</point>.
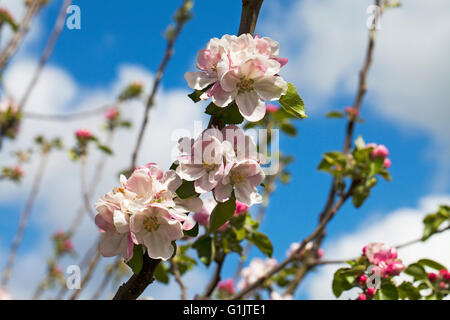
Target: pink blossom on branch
<point>244,69</point>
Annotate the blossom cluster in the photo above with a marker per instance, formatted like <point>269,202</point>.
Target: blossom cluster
<point>242,69</point>
<point>222,161</point>
<point>256,269</point>
<point>384,258</point>
<point>145,210</point>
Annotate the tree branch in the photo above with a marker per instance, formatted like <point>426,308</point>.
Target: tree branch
<point>23,222</point>
<point>215,279</point>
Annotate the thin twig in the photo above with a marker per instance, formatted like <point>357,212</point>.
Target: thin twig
<point>13,44</point>
<point>88,274</point>
<point>215,278</point>
<point>24,217</point>
<point>59,25</point>
<point>138,282</point>
<point>178,279</point>
<point>66,117</point>
<point>108,275</point>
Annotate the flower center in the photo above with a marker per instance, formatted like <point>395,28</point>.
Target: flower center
<point>245,84</point>
<point>236,177</point>
<point>209,166</point>
<point>151,224</point>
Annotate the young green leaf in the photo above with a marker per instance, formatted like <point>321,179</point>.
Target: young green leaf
<point>222,213</point>
<point>293,103</point>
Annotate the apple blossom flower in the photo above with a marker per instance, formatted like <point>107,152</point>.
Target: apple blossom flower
<point>227,286</point>
<point>394,268</point>
<point>156,227</point>
<point>244,177</point>
<point>8,104</point>
<point>113,217</point>
<point>251,84</point>
<point>83,134</point>
<point>255,270</point>
<point>147,187</point>
<point>205,162</point>
<point>380,252</point>
<point>242,68</point>
<point>276,296</point>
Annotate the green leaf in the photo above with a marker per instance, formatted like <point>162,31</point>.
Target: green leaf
<point>432,264</point>
<point>104,149</point>
<point>136,262</point>
<point>407,291</point>
<point>293,103</point>
<point>334,114</point>
<point>204,249</point>
<point>417,271</point>
<point>186,190</point>
<point>263,243</point>
<point>161,273</point>
<point>195,96</point>
<point>229,114</point>
<point>388,291</point>
<point>289,129</point>
<point>222,213</point>
<point>193,232</point>
<point>340,283</point>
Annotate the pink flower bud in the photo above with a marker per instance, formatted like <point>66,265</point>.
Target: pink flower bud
<point>67,245</point>
<point>271,108</point>
<point>352,111</point>
<point>227,286</point>
<point>371,292</point>
<point>362,296</point>
<point>112,114</point>
<point>320,253</point>
<point>432,276</point>
<point>361,280</point>
<point>387,163</point>
<point>443,285</point>
<point>240,208</point>
<point>83,133</point>
<point>18,170</point>
<point>380,152</point>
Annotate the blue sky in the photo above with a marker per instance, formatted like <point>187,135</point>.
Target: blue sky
<point>117,32</point>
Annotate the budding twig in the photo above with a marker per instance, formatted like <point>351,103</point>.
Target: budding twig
<point>13,44</point>
<point>59,25</point>
<point>24,217</point>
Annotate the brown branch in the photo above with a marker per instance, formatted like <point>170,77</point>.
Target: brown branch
<point>138,282</point>
<point>88,275</point>
<point>134,287</point>
<point>57,29</point>
<point>24,217</point>
<point>179,280</point>
<point>13,44</point>
<point>294,256</point>
<point>215,279</point>
<point>171,39</point>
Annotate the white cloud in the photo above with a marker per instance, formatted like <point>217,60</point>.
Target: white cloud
<point>395,228</point>
<point>408,84</point>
